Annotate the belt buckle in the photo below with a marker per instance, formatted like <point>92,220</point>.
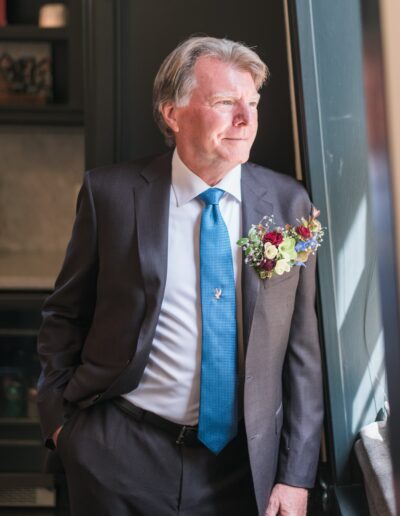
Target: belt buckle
<point>185,432</point>
<point>181,437</point>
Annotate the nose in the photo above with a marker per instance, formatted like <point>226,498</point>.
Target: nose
<point>241,115</point>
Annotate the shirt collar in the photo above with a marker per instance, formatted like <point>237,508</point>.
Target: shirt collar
<point>187,185</point>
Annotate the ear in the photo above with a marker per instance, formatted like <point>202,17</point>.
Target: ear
<point>169,112</point>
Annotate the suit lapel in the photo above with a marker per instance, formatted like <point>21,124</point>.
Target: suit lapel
<point>254,206</point>
<point>152,212</point>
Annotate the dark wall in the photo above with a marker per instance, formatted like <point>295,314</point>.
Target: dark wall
<point>139,35</point>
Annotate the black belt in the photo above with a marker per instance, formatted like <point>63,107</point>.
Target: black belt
<point>182,434</point>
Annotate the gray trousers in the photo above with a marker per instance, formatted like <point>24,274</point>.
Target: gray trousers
<point>118,466</point>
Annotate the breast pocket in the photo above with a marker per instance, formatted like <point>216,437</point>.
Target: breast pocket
<point>285,280</point>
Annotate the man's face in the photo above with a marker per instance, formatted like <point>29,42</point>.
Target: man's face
<point>218,125</point>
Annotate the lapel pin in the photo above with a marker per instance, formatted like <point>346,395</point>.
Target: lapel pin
<point>217,293</point>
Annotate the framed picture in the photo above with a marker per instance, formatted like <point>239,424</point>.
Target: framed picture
<point>25,73</point>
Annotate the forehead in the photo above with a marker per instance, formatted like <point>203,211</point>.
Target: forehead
<point>213,76</point>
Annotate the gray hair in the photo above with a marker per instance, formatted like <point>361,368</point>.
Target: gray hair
<point>175,80</point>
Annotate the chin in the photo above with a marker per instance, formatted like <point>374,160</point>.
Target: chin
<point>245,158</point>
<point>241,157</point>
<point>236,157</point>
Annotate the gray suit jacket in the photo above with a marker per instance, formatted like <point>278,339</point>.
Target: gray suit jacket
<point>99,323</point>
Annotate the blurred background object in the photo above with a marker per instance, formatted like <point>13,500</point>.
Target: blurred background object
<point>53,16</point>
<point>3,13</point>
<point>25,73</point>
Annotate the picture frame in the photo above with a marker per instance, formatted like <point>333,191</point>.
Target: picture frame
<point>26,76</point>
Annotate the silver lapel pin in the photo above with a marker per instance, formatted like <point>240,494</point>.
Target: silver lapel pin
<point>217,293</point>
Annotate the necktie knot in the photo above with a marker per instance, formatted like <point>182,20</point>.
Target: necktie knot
<point>211,196</point>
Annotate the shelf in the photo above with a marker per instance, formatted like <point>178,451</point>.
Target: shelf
<point>20,442</point>
<point>26,479</point>
<point>12,332</point>
<point>19,421</point>
<point>32,33</point>
<point>36,115</point>
<point>22,300</point>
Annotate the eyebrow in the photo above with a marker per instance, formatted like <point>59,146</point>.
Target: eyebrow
<point>232,95</point>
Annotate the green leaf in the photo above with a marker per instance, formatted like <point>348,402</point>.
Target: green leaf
<point>242,241</point>
<point>253,234</point>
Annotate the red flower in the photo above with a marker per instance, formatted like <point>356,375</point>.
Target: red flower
<point>268,265</point>
<point>304,232</point>
<point>274,237</point>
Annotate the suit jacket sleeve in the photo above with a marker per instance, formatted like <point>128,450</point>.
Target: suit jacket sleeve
<point>67,314</point>
<point>302,389</point>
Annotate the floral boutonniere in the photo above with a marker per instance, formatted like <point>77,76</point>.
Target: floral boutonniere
<point>272,250</point>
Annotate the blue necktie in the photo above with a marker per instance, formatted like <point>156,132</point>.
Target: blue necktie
<point>218,384</point>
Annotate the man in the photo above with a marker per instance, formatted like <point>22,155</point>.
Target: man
<point>175,381</point>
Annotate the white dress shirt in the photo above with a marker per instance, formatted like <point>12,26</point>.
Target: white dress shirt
<point>170,385</point>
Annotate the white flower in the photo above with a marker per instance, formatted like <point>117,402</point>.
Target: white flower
<point>282,266</point>
<point>270,251</point>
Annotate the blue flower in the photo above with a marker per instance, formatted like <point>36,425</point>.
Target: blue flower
<point>301,246</point>
<point>313,243</point>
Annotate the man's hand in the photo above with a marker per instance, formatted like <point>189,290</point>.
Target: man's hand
<point>287,501</point>
<point>55,435</point>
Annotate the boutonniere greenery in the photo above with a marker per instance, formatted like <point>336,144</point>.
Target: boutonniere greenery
<point>272,250</point>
